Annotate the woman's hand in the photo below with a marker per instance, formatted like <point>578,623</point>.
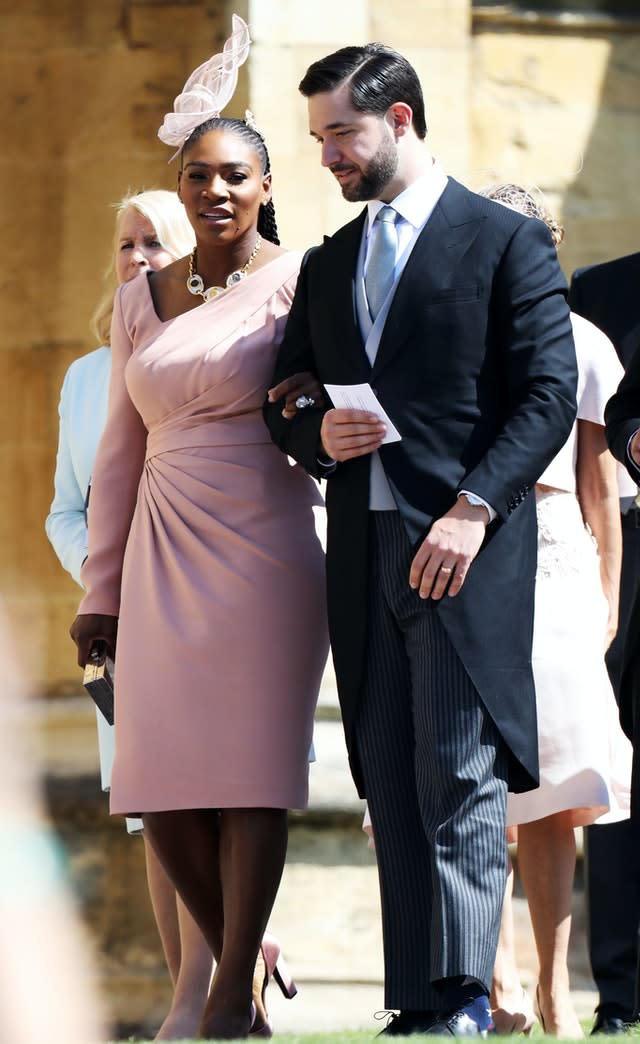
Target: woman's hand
<point>88,628</point>
<point>292,388</point>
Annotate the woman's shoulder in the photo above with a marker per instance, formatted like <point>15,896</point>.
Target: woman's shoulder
<point>274,280</point>
<point>134,306</point>
<point>134,294</point>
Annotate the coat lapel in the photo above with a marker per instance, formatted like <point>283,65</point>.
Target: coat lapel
<point>340,259</point>
<point>430,269</point>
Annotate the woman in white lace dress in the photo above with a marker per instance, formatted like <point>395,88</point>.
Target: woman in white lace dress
<point>585,760</point>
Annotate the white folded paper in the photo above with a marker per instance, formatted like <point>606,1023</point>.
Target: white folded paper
<point>362,397</point>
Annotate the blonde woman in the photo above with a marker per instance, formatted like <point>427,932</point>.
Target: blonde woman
<point>151,231</point>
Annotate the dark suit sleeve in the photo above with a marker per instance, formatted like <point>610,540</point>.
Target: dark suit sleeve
<point>537,364</point>
<point>622,416</point>
<point>300,436</point>
<point>578,300</point>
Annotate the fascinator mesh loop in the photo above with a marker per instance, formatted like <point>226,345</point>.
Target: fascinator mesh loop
<point>209,88</point>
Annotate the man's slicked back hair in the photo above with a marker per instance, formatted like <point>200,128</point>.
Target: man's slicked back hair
<point>377,76</point>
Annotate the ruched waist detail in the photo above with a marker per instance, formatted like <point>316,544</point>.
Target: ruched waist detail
<point>245,430</point>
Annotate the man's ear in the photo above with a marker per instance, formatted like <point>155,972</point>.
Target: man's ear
<point>400,116</point>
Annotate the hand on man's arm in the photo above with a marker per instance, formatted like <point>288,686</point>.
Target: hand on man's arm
<point>301,386</point>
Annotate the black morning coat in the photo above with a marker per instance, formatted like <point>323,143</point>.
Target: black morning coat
<point>476,367</point>
<point>608,294</point>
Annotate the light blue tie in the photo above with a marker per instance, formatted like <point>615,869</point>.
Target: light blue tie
<point>382,260</point>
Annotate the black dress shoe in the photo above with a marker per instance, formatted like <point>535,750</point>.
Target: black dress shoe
<point>611,1021</point>
<point>474,1020</point>
<point>408,1022</point>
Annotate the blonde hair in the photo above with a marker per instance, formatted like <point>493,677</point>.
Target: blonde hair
<point>517,198</point>
<point>171,225</point>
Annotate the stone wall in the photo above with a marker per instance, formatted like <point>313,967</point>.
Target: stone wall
<point>556,104</point>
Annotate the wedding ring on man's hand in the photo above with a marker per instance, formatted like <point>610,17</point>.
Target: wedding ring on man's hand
<point>446,569</point>
<point>304,400</point>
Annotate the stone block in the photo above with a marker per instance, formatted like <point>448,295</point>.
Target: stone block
<point>597,239</point>
<point>405,24</point>
<point>36,27</point>
<point>537,123</point>
<point>295,23</point>
<point>275,74</point>
<point>171,24</point>
<point>445,78</point>
<point>538,68</point>
<point>63,677</point>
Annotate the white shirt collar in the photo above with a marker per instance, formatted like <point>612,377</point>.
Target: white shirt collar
<point>415,203</point>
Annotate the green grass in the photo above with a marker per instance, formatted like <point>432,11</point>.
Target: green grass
<point>366,1036</point>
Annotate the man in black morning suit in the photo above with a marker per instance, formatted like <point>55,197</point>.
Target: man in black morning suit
<point>454,310</point>
<point>609,295</point>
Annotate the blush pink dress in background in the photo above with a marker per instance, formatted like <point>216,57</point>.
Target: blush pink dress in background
<point>202,540</point>
<point>585,758</point>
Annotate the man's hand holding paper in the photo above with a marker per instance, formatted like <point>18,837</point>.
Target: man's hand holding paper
<point>358,425</point>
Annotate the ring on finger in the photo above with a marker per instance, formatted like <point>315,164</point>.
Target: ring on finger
<point>446,569</point>
<point>305,400</point>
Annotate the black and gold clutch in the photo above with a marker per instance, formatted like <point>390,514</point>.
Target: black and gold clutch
<point>98,681</point>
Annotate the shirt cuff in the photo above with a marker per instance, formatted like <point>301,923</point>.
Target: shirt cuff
<point>477,501</point>
<point>328,464</point>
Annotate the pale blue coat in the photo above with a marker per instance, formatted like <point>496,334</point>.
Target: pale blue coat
<point>82,410</point>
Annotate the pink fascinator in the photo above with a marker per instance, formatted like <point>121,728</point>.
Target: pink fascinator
<point>209,88</point>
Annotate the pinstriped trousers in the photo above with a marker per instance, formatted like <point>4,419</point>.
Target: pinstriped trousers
<point>434,768</point>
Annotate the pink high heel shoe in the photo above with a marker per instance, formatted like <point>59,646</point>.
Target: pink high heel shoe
<point>274,966</point>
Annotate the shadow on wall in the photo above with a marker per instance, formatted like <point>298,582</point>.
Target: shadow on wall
<point>601,208</point>
<point>556,106</point>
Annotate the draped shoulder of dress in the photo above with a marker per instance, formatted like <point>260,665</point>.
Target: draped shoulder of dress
<point>202,540</point>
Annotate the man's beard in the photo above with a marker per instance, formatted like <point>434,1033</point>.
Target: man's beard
<point>378,172</point>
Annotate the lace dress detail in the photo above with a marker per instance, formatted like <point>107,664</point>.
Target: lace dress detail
<point>585,760</point>
<point>563,539</point>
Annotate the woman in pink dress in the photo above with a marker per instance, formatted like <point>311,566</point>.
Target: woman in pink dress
<point>203,557</point>
<point>151,231</point>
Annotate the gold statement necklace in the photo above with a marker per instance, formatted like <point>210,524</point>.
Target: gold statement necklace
<point>195,282</point>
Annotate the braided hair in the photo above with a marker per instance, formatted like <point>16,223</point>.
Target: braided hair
<point>267,226</point>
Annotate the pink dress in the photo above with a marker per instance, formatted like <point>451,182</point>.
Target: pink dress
<point>202,540</point>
